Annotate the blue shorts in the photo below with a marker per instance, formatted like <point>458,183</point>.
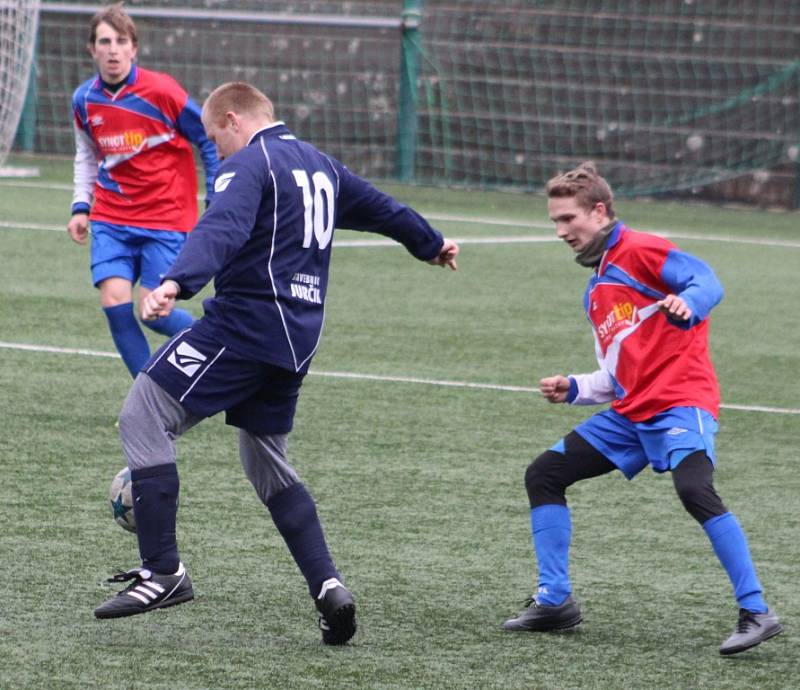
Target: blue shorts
<point>662,441</point>
<point>124,251</point>
<point>205,378</point>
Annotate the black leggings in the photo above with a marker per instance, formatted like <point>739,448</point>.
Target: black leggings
<point>548,477</point>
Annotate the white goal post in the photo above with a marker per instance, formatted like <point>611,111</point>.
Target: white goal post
<point>19,21</point>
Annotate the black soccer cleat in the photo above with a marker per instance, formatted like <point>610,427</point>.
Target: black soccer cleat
<point>751,630</point>
<point>148,591</point>
<point>541,618</point>
<point>337,612</point>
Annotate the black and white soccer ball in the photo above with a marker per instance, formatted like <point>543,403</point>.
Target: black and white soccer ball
<point>121,500</point>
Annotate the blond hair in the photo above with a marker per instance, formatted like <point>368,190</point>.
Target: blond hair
<point>586,185</point>
<point>118,19</point>
<point>237,97</point>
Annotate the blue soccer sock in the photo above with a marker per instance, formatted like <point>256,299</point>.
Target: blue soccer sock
<point>730,545</point>
<point>177,320</point>
<point>128,337</point>
<point>295,515</point>
<point>155,507</point>
<point>551,527</point>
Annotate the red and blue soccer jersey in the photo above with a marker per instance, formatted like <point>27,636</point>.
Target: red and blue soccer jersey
<point>649,363</point>
<point>134,158</point>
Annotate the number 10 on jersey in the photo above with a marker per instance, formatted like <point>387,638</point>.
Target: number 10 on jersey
<point>318,199</point>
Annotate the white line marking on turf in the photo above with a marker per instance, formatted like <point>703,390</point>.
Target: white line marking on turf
<point>58,350</point>
<point>377,377</point>
<point>31,226</point>
<point>496,239</point>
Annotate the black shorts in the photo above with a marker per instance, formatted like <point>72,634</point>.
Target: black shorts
<point>205,378</point>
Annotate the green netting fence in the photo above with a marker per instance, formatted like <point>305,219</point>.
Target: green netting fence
<point>663,95</point>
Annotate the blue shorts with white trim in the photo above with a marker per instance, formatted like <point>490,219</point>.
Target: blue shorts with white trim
<point>661,441</point>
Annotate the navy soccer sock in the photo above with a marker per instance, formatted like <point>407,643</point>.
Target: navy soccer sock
<point>730,545</point>
<point>551,527</point>
<point>295,515</point>
<point>155,507</point>
<point>177,320</point>
<point>128,337</point>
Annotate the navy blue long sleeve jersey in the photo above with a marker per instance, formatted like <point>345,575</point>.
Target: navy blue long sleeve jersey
<point>266,241</point>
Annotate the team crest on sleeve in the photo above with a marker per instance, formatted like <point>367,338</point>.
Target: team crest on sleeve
<point>222,182</point>
<point>186,358</point>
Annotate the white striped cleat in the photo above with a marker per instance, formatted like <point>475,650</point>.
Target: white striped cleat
<point>337,612</point>
<point>148,591</point>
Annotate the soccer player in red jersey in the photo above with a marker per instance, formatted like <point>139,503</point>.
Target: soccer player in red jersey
<point>648,303</point>
<point>134,178</point>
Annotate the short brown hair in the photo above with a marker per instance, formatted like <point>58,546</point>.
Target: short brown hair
<point>586,185</point>
<point>237,97</point>
<point>117,18</point>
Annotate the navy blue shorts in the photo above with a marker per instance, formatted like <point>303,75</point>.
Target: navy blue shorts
<point>205,378</point>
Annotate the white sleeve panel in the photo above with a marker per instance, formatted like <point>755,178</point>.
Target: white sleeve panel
<point>85,170</point>
<point>594,388</point>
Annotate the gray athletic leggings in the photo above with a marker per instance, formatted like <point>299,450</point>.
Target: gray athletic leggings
<point>151,421</point>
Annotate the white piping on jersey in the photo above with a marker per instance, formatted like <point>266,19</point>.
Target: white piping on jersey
<point>112,95</point>
<point>264,129</point>
<point>319,337</point>
<point>272,251</point>
<point>202,373</point>
<point>609,361</point>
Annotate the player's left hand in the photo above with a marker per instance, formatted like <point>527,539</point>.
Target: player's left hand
<point>675,308</point>
<point>447,255</point>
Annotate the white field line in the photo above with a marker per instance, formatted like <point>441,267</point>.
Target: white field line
<point>493,239</point>
<point>468,220</point>
<point>376,377</point>
<point>27,184</point>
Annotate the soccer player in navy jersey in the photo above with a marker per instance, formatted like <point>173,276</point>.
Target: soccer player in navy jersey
<point>135,178</point>
<point>266,241</point>
<point>648,303</point>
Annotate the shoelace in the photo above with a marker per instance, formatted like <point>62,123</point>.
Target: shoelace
<point>125,575</point>
<point>530,601</point>
<point>746,619</point>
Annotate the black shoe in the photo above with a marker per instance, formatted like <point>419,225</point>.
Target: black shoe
<point>148,591</point>
<point>540,618</point>
<point>337,612</point>
<point>752,629</point>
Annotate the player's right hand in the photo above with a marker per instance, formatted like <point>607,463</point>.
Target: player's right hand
<point>78,227</point>
<point>554,388</point>
<point>160,302</point>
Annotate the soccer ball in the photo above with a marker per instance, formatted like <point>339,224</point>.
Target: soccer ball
<point>121,500</point>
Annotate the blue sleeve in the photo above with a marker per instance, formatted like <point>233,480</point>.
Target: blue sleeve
<point>191,127</point>
<point>572,393</point>
<point>223,229</point>
<point>362,206</point>
<point>693,281</point>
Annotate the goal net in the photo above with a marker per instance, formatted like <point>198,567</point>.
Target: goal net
<point>18,25</point>
<point>665,95</point>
